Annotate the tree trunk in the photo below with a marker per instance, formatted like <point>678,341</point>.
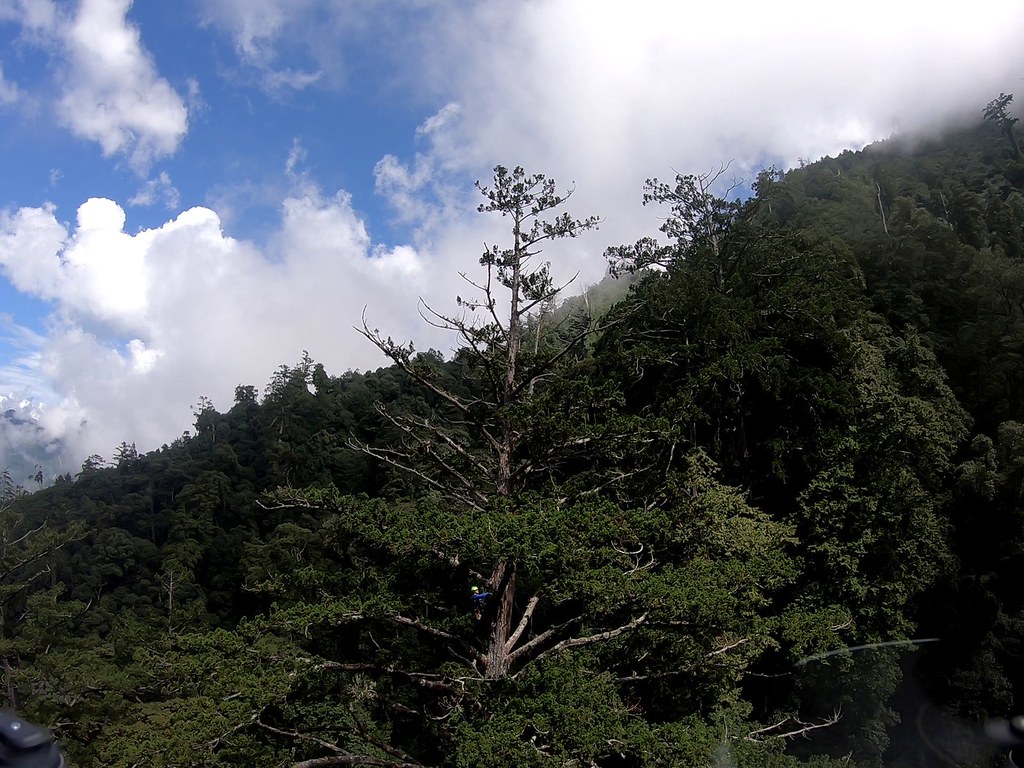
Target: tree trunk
<point>881,209</point>
<point>503,578</point>
<point>1013,142</point>
<point>9,682</point>
<point>503,587</point>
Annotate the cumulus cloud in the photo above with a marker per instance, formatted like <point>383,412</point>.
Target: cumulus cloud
<point>148,322</point>
<point>31,231</point>
<point>112,92</point>
<point>598,96</point>
<point>99,272</point>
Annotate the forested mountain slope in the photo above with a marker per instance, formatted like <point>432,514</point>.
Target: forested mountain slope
<point>937,226</point>
<point>597,536</point>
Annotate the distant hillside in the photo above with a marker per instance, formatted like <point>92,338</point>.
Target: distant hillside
<point>937,227</point>
<point>25,449</point>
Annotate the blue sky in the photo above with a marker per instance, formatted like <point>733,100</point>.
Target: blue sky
<point>195,192</point>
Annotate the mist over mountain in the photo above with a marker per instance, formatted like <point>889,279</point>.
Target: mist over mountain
<point>26,449</point>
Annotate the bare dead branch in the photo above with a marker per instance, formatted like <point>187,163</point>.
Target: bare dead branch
<point>408,426</point>
<point>448,440</point>
<point>428,680</point>
<point>523,622</point>
<point>389,457</point>
<point>26,535</point>
<point>540,368</point>
<point>578,642</point>
<point>802,729</point>
<point>214,743</point>
<point>388,349</point>
<point>638,558</point>
<point>575,642</point>
<point>436,319</point>
<point>542,638</point>
<point>384,746</point>
<point>439,634</point>
<point>340,756</point>
<point>300,736</point>
<point>729,647</point>
<point>490,303</point>
<point>27,561</point>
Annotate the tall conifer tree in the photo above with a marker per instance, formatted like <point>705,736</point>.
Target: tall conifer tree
<point>484,466</point>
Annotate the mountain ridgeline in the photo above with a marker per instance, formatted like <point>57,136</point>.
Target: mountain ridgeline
<point>606,532</point>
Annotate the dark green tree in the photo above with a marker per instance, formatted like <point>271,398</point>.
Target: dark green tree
<point>757,348</point>
<point>483,465</point>
<point>621,614</point>
<point>997,111</point>
<point>31,616</point>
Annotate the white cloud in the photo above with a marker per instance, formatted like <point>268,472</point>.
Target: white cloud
<point>431,189</point>
<point>402,185</point>
<point>9,92</point>
<point>437,123</point>
<point>194,98</point>
<point>19,374</point>
<point>255,24</point>
<point>290,45</point>
<point>602,95</point>
<point>289,79</point>
<point>256,27</point>
<point>296,155</point>
<point>608,96</point>
<point>112,92</point>
<point>160,189</point>
<point>32,14</point>
<point>24,442</point>
<point>146,323</point>
<point>26,237</point>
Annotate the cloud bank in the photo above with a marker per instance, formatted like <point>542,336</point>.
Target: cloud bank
<point>149,322</point>
<point>602,96</point>
<point>610,96</point>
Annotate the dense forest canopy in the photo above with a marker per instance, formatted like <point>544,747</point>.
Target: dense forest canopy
<point>609,531</point>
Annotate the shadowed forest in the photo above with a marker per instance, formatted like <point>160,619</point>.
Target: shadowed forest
<point>626,528</point>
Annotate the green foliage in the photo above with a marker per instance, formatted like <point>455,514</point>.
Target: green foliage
<point>677,489</point>
<point>638,598</point>
<point>998,112</point>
